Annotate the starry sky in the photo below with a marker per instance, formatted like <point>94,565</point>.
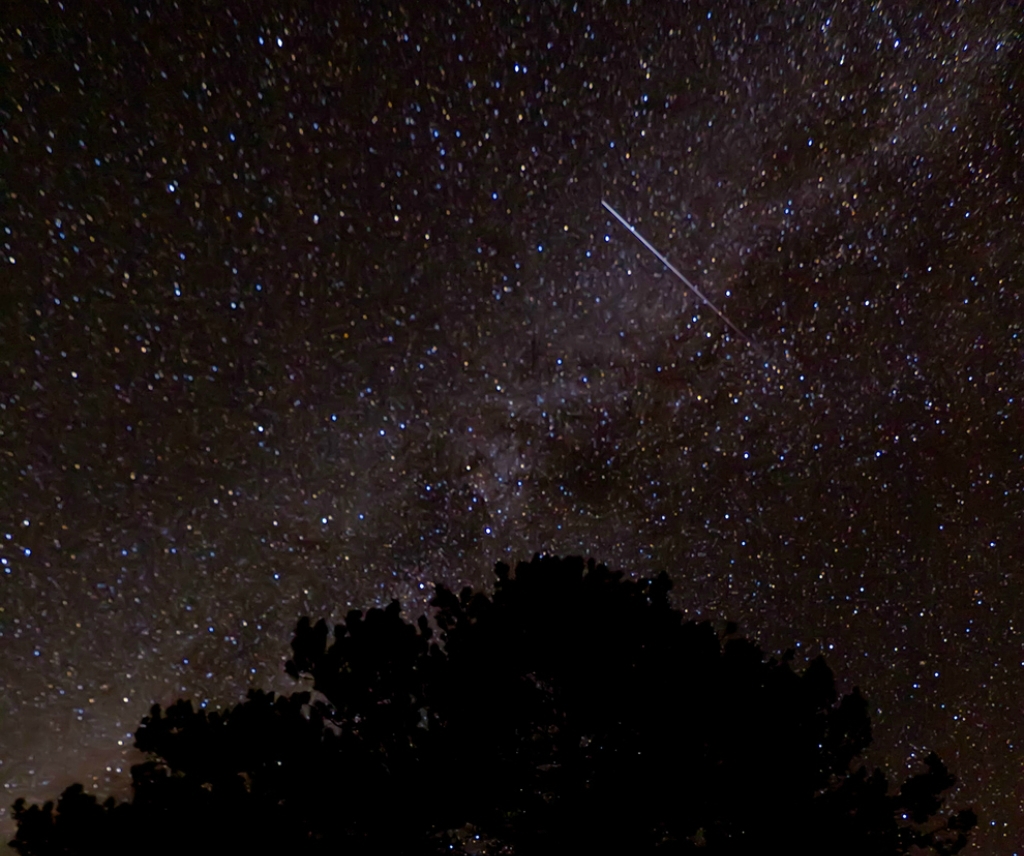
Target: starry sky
<point>305,307</point>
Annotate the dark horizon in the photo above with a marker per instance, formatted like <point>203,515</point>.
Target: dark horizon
<point>571,707</point>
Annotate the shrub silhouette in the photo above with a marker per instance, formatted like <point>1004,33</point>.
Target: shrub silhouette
<point>573,709</point>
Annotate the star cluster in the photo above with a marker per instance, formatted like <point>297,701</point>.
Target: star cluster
<point>301,312</point>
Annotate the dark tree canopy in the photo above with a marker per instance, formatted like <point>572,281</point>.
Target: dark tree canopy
<point>572,710</point>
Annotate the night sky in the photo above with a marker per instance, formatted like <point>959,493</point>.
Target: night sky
<point>301,311</point>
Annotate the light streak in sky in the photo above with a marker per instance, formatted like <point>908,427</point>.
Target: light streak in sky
<point>680,275</point>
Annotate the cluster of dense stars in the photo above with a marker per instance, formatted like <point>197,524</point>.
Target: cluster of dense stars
<point>302,313</point>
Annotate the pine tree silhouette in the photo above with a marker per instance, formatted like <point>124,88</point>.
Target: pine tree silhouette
<point>573,709</point>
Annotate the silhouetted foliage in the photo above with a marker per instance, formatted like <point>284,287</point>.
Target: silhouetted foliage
<point>573,710</point>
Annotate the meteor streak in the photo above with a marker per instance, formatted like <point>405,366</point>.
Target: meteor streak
<point>680,275</point>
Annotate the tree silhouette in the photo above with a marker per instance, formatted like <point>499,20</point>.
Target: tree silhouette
<point>573,708</point>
